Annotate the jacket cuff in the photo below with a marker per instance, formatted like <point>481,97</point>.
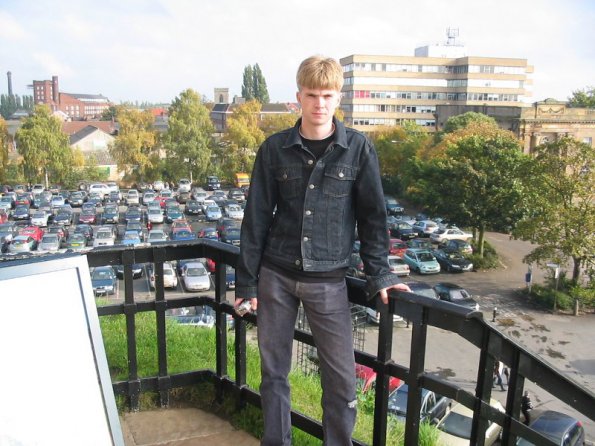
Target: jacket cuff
<point>376,283</point>
<point>246,292</point>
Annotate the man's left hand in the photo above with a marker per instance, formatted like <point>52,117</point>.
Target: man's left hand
<point>399,287</point>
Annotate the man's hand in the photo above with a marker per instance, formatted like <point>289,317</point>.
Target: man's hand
<point>399,286</point>
<point>253,303</point>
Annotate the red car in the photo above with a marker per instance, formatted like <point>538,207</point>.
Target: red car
<point>3,216</point>
<point>35,232</point>
<point>88,216</point>
<point>366,377</point>
<point>396,247</point>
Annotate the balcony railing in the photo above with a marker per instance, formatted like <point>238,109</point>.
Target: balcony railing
<point>422,312</point>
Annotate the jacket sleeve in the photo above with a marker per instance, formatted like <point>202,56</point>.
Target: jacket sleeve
<point>258,217</point>
<point>370,214</point>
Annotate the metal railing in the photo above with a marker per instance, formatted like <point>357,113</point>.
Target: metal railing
<point>422,312</point>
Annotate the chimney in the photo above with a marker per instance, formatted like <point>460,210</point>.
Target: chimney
<point>9,75</point>
<point>55,92</point>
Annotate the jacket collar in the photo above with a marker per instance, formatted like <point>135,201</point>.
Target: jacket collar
<point>339,139</point>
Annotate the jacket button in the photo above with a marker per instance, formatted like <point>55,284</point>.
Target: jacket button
<point>298,263</point>
<point>311,186</point>
<point>284,176</point>
<point>306,239</point>
<point>310,162</point>
<point>308,212</point>
<point>341,174</point>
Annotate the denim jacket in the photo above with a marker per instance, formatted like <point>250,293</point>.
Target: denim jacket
<point>302,212</point>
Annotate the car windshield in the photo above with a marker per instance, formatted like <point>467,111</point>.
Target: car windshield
<point>459,294</point>
<point>213,209</point>
<point>39,215</point>
<point>396,262</point>
<point>425,257</point>
<point>130,236</point>
<point>156,235</point>
<point>50,238</point>
<point>196,272</point>
<point>103,234</point>
<point>101,274</point>
<point>457,424</point>
<point>403,226</point>
<point>154,211</point>
<point>233,232</point>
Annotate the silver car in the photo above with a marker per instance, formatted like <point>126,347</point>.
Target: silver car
<point>196,277</point>
<point>49,243</point>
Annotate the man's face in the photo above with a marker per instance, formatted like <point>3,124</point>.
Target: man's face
<point>318,106</point>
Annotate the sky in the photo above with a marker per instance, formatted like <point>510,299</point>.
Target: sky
<point>152,50</point>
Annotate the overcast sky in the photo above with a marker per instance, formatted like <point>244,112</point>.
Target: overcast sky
<point>152,50</point>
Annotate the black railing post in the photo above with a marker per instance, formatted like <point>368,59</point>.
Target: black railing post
<point>164,382</point>
<point>240,358</point>
<point>516,383</point>
<point>130,314</point>
<point>385,345</point>
<point>417,358</point>
<point>221,326</point>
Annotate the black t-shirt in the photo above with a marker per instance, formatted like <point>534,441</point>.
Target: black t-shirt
<point>318,146</point>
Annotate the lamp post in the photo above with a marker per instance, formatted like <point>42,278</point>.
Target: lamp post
<point>556,269</point>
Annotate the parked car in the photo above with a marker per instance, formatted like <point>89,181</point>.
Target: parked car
<point>182,234</point>
<point>455,426</point>
<point>155,216</point>
<point>137,227</point>
<point>442,235</point>
<point>455,294</point>
<point>396,247</point>
<point>236,194</point>
<point>421,261</point>
<point>209,233</point>
<point>420,243</point>
<point>49,243</point>
<point>85,229</point>
<point>157,235</point>
<point>104,237</point>
<point>110,215</point>
<point>234,211</point>
<point>230,277</point>
<point>173,213</point>
<point>7,232</point>
<point>230,235</point>
<point>21,212</point>
<point>64,217</point>
<point>184,185</point>
<point>452,261</point>
<point>22,243</point>
<point>60,230</point>
<point>392,206</point>
<point>212,213</point>
<point>422,289</point>
<point>195,277</point>
<point>132,197</point>
<point>137,271</point>
<point>366,379</point>
<point>192,208</point>
<point>103,280</point>
<point>170,279</point>
<point>559,427</point>
<point>76,242</point>
<point>34,232</point>
<point>88,216</point>
<point>148,197</point>
<point>402,230</point>
<point>76,199</point>
<point>133,213</point>
<point>183,197</point>
<point>39,218</point>
<point>131,237</point>
<point>425,227</point>
<point>460,246</point>
<point>398,266</point>
<point>213,183</point>
<point>433,406</point>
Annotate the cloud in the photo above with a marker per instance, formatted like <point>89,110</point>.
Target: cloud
<point>50,65</point>
<point>10,29</point>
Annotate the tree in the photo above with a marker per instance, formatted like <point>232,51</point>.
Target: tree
<point>562,205</point>
<point>254,85</point>
<point>4,140</point>
<point>242,139</point>
<point>275,122</point>
<point>261,94</point>
<point>583,98</point>
<point>44,147</point>
<point>109,114</point>
<point>248,83</point>
<point>476,181</point>
<point>135,148</point>
<point>458,122</point>
<point>188,140</point>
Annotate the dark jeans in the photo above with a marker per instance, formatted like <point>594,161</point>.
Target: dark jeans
<point>327,309</point>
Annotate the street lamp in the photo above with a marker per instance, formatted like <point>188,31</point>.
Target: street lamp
<point>556,269</point>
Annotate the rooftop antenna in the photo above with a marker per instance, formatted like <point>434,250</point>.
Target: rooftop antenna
<point>451,35</point>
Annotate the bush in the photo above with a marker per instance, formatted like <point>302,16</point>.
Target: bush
<point>586,296</point>
<point>490,259</point>
<point>546,296</point>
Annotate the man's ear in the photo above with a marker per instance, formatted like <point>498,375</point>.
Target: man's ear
<point>298,97</point>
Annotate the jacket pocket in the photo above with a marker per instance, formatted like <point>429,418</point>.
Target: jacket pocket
<point>338,180</point>
<point>289,180</point>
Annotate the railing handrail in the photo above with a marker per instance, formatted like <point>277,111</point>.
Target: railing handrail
<point>421,311</point>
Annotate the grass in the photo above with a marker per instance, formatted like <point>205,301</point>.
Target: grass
<point>193,348</point>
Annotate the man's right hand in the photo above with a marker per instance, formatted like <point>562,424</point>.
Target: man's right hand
<point>253,303</point>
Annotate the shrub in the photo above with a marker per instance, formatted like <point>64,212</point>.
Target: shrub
<point>546,296</point>
<point>490,259</point>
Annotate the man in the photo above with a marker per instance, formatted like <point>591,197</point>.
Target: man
<point>310,185</point>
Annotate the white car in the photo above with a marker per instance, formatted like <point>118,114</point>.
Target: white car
<point>455,426</point>
<point>398,266</point>
<point>132,197</point>
<point>99,188</point>
<point>155,215</point>
<point>170,279</point>
<point>158,185</point>
<point>442,235</point>
<point>234,211</point>
<point>425,227</point>
<point>157,235</point>
<point>104,237</point>
<point>40,218</point>
<point>49,243</point>
<point>184,185</point>
<point>196,277</point>
<point>148,197</point>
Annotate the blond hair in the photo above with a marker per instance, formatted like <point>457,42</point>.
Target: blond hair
<point>318,72</point>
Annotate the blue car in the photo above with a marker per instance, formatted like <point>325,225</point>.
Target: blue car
<point>421,261</point>
<point>213,213</point>
<point>182,234</point>
<point>104,281</point>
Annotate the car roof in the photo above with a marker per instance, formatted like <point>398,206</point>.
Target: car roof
<point>452,286</point>
<point>553,423</point>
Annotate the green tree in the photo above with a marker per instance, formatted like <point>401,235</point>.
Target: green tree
<point>458,122</point>
<point>583,98</point>
<point>261,93</point>
<point>8,105</point>
<point>109,113</point>
<point>476,181</point>
<point>188,140</point>
<point>248,83</point>
<point>561,221</point>
<point>275,122</point>
<point>4,141</point>
<point>135,147</point>
<point>44,147</point>
<point>242,139</point>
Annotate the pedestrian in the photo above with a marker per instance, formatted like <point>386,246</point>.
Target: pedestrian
<point>498,369</point>
<point>310,185</point>
<point>526,407</point>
